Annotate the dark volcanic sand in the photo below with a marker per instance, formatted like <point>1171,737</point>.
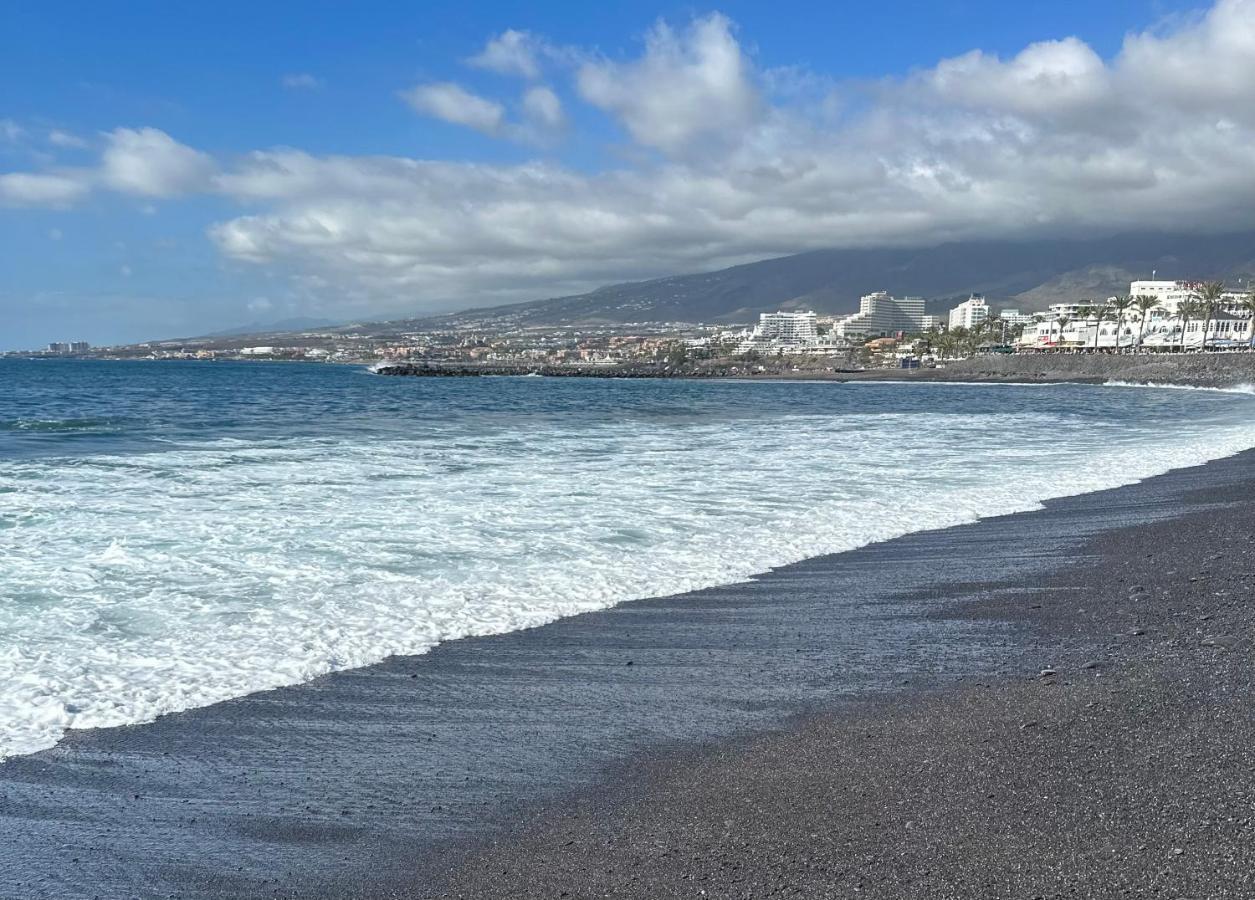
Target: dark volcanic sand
<point>1126,770</point>
<point>596,777</point>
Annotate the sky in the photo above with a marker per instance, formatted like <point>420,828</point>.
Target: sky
<point>174,169</point>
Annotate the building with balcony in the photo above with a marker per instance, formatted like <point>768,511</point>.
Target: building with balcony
<point>879,315</point>
<point>971,312</point>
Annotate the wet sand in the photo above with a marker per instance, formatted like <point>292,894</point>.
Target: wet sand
<point>873,717</point>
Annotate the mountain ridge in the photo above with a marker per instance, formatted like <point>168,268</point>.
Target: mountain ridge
<point>1025,274</point>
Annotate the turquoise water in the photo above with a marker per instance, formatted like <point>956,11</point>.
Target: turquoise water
<point>173,534</point>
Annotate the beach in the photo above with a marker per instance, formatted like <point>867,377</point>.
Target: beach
<point>835,724</point>
<point>1122,767</point>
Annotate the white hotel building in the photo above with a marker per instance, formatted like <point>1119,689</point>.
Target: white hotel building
<point>782,332</point>
<point>970,313</point>
<point>1161,329</point>
<point>788,327</point>
<point>881,315</point>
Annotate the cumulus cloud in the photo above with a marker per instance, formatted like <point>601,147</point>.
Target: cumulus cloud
<point>150,163</point>
<point>745,164</point>
<point>542,106</point>
<point>41,189</point>
<point>454,103</point>
<point>1051,140</point>
<point>686,86</point>
<point>510,53</point>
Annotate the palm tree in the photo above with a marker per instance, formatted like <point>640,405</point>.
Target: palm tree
<point>1098,313</point>
<point>994,329</point>
<point>1084,313</point>
<point>1186,310</point>
<point>1210,302</point>
<point>1063,323</point>
<point>1100,316</point>
<point>1248,306</point>
<point>1120,305</point>
<point>1144,303</point>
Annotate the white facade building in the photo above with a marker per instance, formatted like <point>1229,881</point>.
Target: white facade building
<point>1171,293</point>
<point>1015,318</point>
<point>787,327</point>
<point>970,313</point>
<point>784,332</point>
<point>880,314</point>
<point>1168,293</point>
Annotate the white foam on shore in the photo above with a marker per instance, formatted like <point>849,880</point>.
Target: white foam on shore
<point>1232,389</point>
<point>139,585</point>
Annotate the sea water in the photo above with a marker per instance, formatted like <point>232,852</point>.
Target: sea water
<point>174,534</point>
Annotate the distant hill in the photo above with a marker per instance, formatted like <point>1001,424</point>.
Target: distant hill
<point>1025,274</point>
<point>1030,275</point>
<point>282,326</point>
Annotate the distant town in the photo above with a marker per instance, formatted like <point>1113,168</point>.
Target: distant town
<point>886,332</point>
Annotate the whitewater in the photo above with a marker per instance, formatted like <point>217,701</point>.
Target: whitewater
<point>173,535</point>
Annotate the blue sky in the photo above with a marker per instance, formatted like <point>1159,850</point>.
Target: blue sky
<point>175,168</point>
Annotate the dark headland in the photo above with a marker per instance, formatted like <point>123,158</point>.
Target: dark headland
<point>1051,704</point>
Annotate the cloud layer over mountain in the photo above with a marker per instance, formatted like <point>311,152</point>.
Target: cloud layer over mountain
<point>726,161</point>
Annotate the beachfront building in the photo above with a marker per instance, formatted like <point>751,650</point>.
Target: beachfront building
<point>1168,293</point>
<point>1014,318</point>
<point>1223,331</point>
<point>788,327</point>
<point>785,332</point>
<point>932,323</point>
<point>1171,293</point>
<point>971,312</point>
<point>1163,327</point>
<point>1078,333</point>
<point>881,314</point>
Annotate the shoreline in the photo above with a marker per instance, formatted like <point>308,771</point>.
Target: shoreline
<point>1124,765</point>
<point>1214,370</point>
<point>377,776</point>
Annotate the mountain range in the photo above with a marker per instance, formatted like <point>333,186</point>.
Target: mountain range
<point>1029,275</point>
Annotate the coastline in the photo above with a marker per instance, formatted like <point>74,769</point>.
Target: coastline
<point>1123,766</point>
<point>377,780</point>
<point>1212,370</point>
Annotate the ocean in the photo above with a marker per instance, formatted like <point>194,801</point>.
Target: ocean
<point>175,534</point>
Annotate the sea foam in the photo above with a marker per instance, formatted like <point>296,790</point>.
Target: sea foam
<point>136,585</point>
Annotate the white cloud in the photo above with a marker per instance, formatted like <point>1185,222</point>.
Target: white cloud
<point>453,103</point>
<point>510,53</point>
<point>11,132</point>
<point>148,162</point>
<point>1053,140</point>
<point>59,138</point>
<point>542,107</point>
<point>301,81</point>
<point>686,86</point>
<point>42,189</point>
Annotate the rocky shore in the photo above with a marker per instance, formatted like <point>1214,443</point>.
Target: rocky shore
<point>1216,370</point>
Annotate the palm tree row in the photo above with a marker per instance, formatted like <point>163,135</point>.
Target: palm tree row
<point>1207,303</point>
